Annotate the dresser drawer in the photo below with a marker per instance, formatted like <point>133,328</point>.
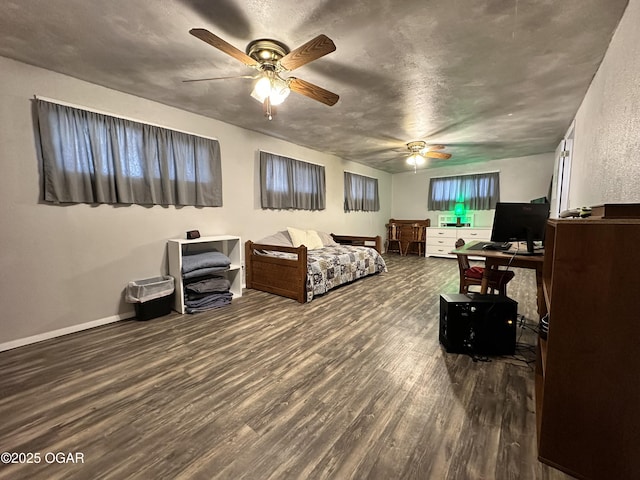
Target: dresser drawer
<point>441,232</point>
<point>438,251</point>
<point>469,234</point>
<point>441,242</point>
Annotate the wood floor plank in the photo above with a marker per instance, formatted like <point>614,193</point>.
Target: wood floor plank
<point>352,385</point>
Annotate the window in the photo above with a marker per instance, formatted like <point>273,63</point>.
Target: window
<point>289,183</point>
<point>360,193</point>
<point>94,158</point>
<point>478,191</point>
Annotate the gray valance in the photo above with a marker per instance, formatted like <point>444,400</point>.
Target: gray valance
<point>94,158</point>
<point>288,183</point>
<point>360,193</point>
<point>479,191</point>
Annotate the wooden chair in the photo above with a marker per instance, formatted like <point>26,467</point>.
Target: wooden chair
<point>470,276</point>
<point>393,238</point>
<point>417,237</point>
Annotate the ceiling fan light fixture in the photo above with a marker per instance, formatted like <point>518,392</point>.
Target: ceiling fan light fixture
<point>416,150</point>
<point>279,91</point>
<point>415,159</point>
<point>261,89</point>
<point>275,88</point>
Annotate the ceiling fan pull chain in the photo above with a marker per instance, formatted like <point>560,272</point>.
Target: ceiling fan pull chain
<point>268,108</point>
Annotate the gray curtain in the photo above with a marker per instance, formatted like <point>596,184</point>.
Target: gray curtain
<point>289,183</point>
<point>478,191</point>
<point>92,158</point>
<point>360,193</point>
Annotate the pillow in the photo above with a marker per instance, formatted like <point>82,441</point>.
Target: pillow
<point>327,240</point>
<point>298,237</point>
<point>308,238</point>
<point>280,239</point>
<point>314,241</point>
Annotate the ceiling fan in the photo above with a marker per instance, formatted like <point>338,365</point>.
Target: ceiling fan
<point>419,151</point>
<point>271,58</point>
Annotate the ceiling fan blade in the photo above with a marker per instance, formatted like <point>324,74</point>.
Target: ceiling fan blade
<point>312,50</point>
<point>440,155</point>
<point>220,78</point>
<point>217,42</point>
<point>435,147</point>
<point>312,91</point>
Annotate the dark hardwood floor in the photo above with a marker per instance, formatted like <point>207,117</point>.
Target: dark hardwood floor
<point>353,385</point>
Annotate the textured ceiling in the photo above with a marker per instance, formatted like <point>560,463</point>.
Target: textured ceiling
<point>489,79</point>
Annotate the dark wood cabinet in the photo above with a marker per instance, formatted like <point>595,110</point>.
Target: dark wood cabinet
<point>588,368</point>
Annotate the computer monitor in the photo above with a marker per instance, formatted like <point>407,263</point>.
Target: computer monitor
<point>540,200</point>
<point>520,222</point>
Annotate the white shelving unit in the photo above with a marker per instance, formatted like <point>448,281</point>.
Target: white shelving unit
<point>230,245</point>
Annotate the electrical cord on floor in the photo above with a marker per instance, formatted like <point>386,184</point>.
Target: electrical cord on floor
<point>519,360</point>
<point>479,358</point>
<point>469,346</point>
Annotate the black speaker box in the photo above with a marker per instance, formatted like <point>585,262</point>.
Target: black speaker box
<point>478,324</point>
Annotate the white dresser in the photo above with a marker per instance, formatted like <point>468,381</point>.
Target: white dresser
<point>441,240</point>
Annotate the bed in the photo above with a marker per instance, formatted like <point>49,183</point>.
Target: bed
<point>274,265</point>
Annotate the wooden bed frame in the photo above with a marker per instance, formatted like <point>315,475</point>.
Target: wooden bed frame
<point>288,277</point>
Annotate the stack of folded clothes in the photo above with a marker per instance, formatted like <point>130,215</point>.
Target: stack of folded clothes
<point>204,287</point>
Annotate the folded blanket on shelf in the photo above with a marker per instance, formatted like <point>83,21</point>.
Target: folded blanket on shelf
<point>213,284</point>
<point>197,296</point>
<point>203,260</point>
<point>203,272</point>
<point>206,303</point>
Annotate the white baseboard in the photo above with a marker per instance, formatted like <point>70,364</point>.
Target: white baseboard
<point>64,331</point>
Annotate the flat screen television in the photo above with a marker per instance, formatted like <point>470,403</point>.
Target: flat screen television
<point>520,222</point>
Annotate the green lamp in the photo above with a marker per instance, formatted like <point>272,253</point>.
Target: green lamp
<point>459,211</point>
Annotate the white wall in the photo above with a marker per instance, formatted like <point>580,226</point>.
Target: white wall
<point>64,266</point>
<point>606,155</point>
<point>521,180</point>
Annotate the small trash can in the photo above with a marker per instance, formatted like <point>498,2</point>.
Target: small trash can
<point>151,297</point>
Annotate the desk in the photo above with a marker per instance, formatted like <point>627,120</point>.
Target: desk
<point>493,259</point>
